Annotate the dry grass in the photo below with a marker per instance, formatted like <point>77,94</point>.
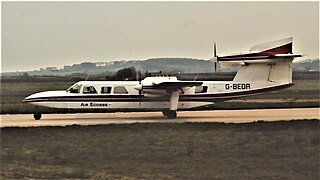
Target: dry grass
<point>261,150</point>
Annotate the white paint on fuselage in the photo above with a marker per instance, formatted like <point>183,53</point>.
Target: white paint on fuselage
<point>59,99</point>
<point>118,105</point>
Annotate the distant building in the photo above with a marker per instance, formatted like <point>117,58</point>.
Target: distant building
<point>51,69</point>
<point>98,64</point>
<point>67,68</point>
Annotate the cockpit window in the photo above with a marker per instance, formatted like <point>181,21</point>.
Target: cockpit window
<point>89,90</point>
<point>74,89</point>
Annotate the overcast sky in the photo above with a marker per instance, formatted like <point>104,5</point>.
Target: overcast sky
<point>42,34</point>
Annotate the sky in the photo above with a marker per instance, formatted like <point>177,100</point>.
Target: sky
<point>53,34</point>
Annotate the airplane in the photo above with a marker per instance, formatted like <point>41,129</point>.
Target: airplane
<point>265,67</point>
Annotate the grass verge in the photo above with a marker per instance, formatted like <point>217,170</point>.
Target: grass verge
<point>260,150</point>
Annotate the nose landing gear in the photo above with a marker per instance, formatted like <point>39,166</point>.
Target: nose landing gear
<point>37,115</point>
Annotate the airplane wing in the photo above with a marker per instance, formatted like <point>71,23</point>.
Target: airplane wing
<point>174,85</point>
<point>165,83</point>
<point>169,85</point>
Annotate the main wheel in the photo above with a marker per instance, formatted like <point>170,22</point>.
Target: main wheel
<point>37,115</point>
<point>172,114</point>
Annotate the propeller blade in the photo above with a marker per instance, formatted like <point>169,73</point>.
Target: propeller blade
<point>215,56</point>
<point>140,97</point>
<point>214,50</point>
<point>140,91</point>
<point>215,66</point>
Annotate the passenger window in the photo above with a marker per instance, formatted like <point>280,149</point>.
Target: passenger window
<point>89,90</point>
<point>201,89</point>
<point>106,90</point>
<point>120,90</point>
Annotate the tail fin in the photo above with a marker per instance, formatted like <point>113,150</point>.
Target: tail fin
<point>262,53</point>
<point>268,62</point>
<point>283,46</point>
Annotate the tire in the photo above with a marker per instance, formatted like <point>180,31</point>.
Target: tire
<point>37,115</point>
<point>172,114</point>
<point>169,114</point>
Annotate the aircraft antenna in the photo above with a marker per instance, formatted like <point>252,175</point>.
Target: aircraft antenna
<point>195,78</point>
<point>87,77</point>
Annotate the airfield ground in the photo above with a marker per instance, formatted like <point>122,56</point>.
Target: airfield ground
<point>186,150</point>
<point>223,116</point>
<point>260,150</point>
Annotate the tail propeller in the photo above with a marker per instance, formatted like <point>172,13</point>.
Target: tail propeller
<point>215,57</point>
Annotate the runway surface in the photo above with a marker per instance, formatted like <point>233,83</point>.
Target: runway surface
<point>227,116</point>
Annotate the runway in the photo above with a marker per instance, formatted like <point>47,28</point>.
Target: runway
<point>226,116</point>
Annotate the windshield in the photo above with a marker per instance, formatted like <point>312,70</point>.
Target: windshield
<point>74,89</point>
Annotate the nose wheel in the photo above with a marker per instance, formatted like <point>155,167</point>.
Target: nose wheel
<point>170,114</point>
<point>37,115</point>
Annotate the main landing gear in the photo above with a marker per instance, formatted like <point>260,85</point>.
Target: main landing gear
<point>170,114</point>
<point>37,115</point>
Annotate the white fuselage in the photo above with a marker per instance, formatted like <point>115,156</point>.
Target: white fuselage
<point>124,94</point>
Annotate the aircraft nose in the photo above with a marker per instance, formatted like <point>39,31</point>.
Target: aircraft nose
<point>26,99</point>
<point>32,97</point>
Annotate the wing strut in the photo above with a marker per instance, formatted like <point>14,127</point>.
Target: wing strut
<point>174,100</point>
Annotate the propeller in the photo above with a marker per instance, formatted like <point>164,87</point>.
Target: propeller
<point>215,57</point>
<point>139,87</point>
